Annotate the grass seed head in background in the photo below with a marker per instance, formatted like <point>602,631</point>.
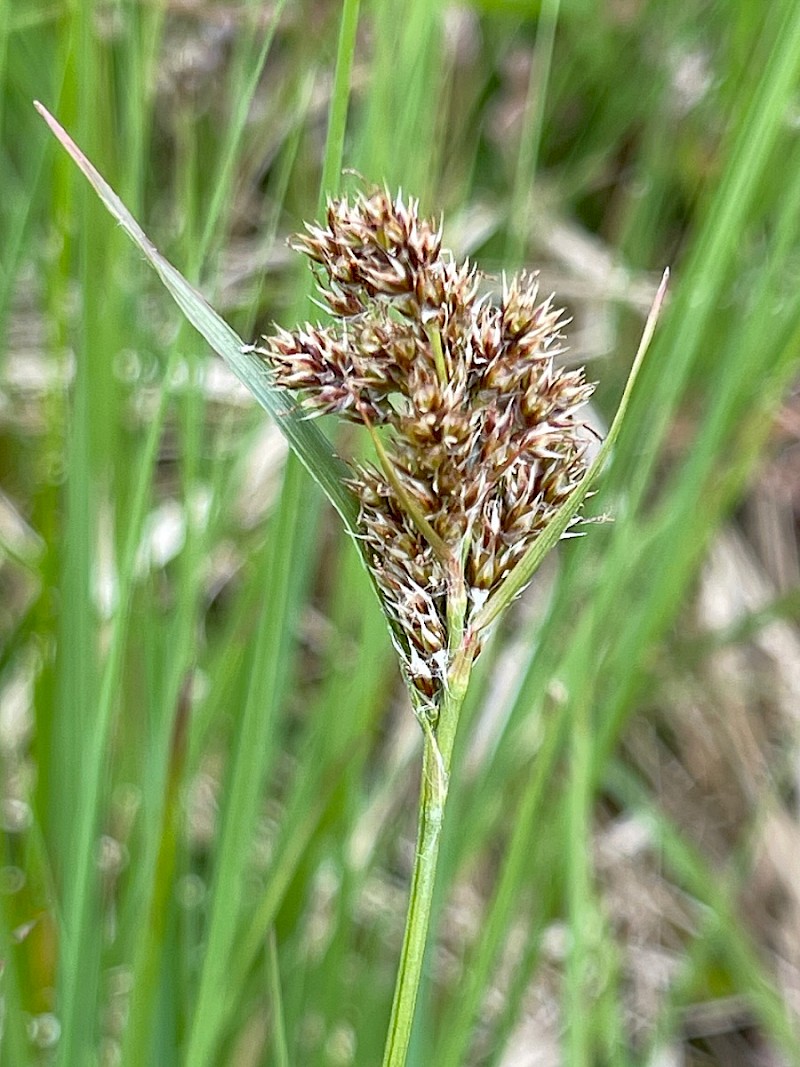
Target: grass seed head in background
<point>484,440</point>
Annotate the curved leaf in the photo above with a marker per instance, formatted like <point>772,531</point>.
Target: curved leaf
<point>310,445</point>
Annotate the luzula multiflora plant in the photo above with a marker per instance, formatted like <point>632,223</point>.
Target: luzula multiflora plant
<point>480,457</point>
<point>479,443</point>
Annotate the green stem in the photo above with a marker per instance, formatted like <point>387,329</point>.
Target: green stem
<point>438,355</point>
<point>433,795</point>
<point>414,510</point>
<point>436,760</point>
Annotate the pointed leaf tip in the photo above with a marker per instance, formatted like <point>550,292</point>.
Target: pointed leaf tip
<point>312,448</point>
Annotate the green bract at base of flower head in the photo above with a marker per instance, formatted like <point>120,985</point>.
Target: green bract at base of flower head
<point>483,437</point>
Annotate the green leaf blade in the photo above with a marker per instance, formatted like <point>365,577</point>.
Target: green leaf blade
<point>310,445</point>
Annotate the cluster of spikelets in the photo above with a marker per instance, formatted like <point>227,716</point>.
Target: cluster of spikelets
<point>483,441</point>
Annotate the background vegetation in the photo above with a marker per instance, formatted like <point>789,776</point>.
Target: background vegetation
<point>207,763</point>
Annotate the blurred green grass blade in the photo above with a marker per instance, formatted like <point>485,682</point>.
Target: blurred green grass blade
<point>314,451</point>
<point>519,212</point>
<point>79,946</point>
<point>348,714</point>
<point>669,545</point>
<point>286,562</point>
<point>579,1005</point>
<point>286,556</point>
<point>401,139</point>
<point>515,872</point>
<point>138,65</point>
<point>154,915</point>
<point>761,115</point>
<point>280,1044</point>
<point>243,94</point>
<point>333,751</point>
<point>281,182</point>
<point>80,735</point>
<point>15,1048</point>
<point>340,97</point>
<point>301,820</point>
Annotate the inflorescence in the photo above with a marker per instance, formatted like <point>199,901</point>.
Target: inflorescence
<point>482,434</point>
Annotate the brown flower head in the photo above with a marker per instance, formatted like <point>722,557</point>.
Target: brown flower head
<point>482,435</point>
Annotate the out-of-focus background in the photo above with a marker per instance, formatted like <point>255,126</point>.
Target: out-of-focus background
<point>208,766</point>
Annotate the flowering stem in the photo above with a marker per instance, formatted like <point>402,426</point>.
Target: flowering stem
<point>435,339</point>
<point>436,760</point>
<point>433,795</point>
<point>414,511</point>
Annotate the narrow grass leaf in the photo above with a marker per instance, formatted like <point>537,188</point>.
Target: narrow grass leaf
<point>286,563</point>
<point>310,445</point>
<point>280,1044</point>
<point>340,97</point>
